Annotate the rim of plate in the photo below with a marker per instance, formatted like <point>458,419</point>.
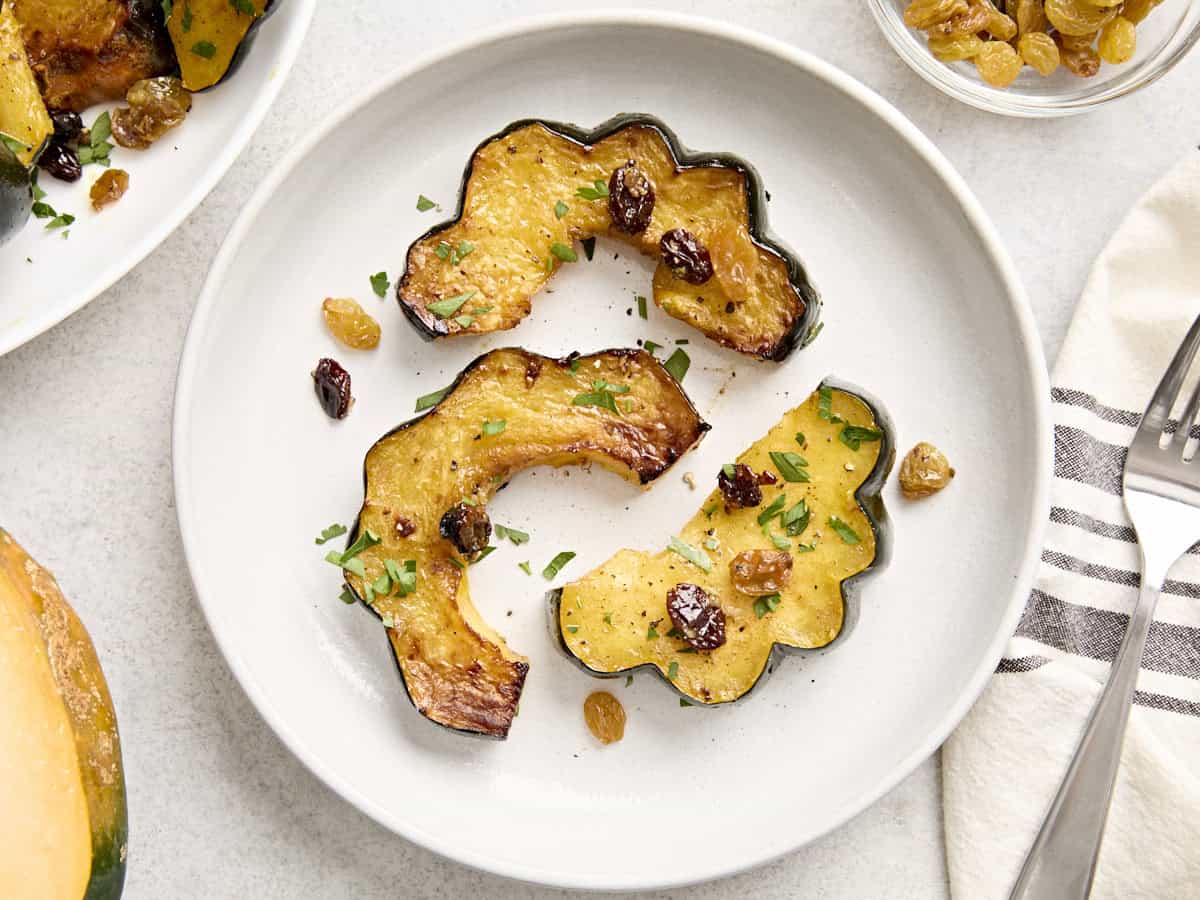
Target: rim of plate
<point>1034,368</point>
<point>298,24</point>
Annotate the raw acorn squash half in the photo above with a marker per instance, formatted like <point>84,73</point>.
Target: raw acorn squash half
<point>615,619</point>
<point>530,192</point>
<point>217,37</point>
<point>427,484</point>
<point>64,832</point>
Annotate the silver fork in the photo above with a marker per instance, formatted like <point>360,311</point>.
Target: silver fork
<point>1162,497</point>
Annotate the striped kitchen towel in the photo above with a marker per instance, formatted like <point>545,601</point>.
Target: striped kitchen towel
<point>1003,765</point>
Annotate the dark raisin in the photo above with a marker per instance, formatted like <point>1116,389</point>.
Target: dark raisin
<point>630,199</point>
<point>405,526</point>
<point>740,489</point>
<point>765,477</point>
<point>67,125</point>
<point>332,384</point>
<point>467,527</point>
<point>700,621</point>
<point>686,256</point>
<point>60,161</point>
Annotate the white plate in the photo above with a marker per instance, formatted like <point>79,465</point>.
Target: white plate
<point>922,307</point>
<point>46,278</point>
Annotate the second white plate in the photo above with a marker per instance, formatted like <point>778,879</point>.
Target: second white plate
<point>922,308</point>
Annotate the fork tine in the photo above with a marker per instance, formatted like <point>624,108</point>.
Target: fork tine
<point>1189,416</point>
<point>1159,409</point>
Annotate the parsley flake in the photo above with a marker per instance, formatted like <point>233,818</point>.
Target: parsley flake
<point>641,302</point>
<point>513,534</point>
<point>790,466</point>
<point>563,252</point>
<point>673,670</point>
<point>205,49</point>
<point>328,534</point>
<point>678,364</point>
<point>432,399</point>
<point>560,209</point>
<point>764,605</point>
<point>845,532</point>
<point>773,510</point>
<point>424,204</point>
<point>444,309</point>
<point>597,191</point>
<point>853,436</point>
<point>493,428</point>
<point>380,284</point>
<point>524,567</point>
<point>694,555</point>
<point>556,565</point>
<point>825,405</point>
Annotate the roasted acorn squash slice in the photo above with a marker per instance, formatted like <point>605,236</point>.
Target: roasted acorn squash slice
<point>23,116</point>
<point>211,37</point>
<point>616,618</point>
<point>63,834</point>
<point>428,482</point>
<point>537,187</point>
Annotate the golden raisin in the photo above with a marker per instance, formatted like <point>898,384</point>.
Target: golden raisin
<point>998,64</point>
<point>1078,55</point>
<point>927,13</point>
<point>955,47</point>
<point>971,22</point>
<point>1075,17</point>
<point>998,24</point>
<point>758,573</point>
<point>1136,10</point>
<point>1118,41</point>
<point>734,259</point>
<point>1030,15</point>
<point>605,717</point>
<point>924,471</point>
<point>1039,50</point>
<point>109,188</point>
<point>156,105</point>
<point>350,323</point>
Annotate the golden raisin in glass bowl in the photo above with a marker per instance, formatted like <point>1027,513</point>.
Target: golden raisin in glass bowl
<point>1039,58</point>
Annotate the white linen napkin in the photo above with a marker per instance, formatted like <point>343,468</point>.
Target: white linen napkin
<point>1003,765</point>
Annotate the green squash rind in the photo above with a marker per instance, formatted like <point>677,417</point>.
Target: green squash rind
<point>16,195</point>
<point>804,330</point>
<point>870,500</point>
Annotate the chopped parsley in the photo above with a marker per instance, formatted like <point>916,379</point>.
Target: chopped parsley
<point>796,519</point>
<point>560,209</point>
<point>556,565</point>
<point>781,543</point>
<point>641,302</point>
<point>853,436</point>
<point>628,680</point>
<point>205,49</point>
<point>845,532</point>
<point>825,405</point>
<point>430,400</point>
<point>493,428</point>
<point>602,395</point>
<point>683,702</point>
<point>328,534</point>
<point>678,364</point>
<point>17,147</point>
<point>442,250</point>
<point>524,567</point>
<point>461,252</point>
<point>514,535</point>
<point>368,538</point>
<point>790,466</point>
<point>708,513</point>
<point>773,510</point>
<point>800,438</point>
<point>673,670</point>
<point>245,7</point>
<point>485,553</point>
<point>424,204</point>
<point>589,247</point>
<point>730,470</point>
<point>380,284</point>
<point>444,309</point>
<point>651,633</point>
<point>572,628</point>
<point>711,543</point>
<point>563,252</point>
<point>574,367</point>
<point>694,555</point>
<point>186,24</point>
<point>457,563</point>
<point>403,575</point>
<point>812,335</point>
<point>608,618</point>
<point>347,596</point>
<point>597,191</point>
<point>650,347</point>
<point>764,605</point>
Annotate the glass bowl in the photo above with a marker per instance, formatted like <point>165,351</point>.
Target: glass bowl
<point>1163,38</point>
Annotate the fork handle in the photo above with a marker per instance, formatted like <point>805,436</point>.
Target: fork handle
<point>1062,862</point>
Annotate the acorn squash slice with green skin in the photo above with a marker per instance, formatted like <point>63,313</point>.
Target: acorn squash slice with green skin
<point>615,619</point>
<point>24,120</point>
<point>531,192</point>
<point>64,833</point>
<point>619,409</point>
<point>212,37</point>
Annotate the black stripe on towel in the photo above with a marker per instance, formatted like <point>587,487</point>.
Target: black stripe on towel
<point>1064,516</point>
<point>1115,576</point>
<point>1128,417</point>
<point>1097,633</point>
<point>1020,664</point>
<point>1010,665</point>
<point>1080,457</point>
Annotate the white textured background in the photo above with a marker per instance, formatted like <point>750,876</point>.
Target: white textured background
<point>219,808</point>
